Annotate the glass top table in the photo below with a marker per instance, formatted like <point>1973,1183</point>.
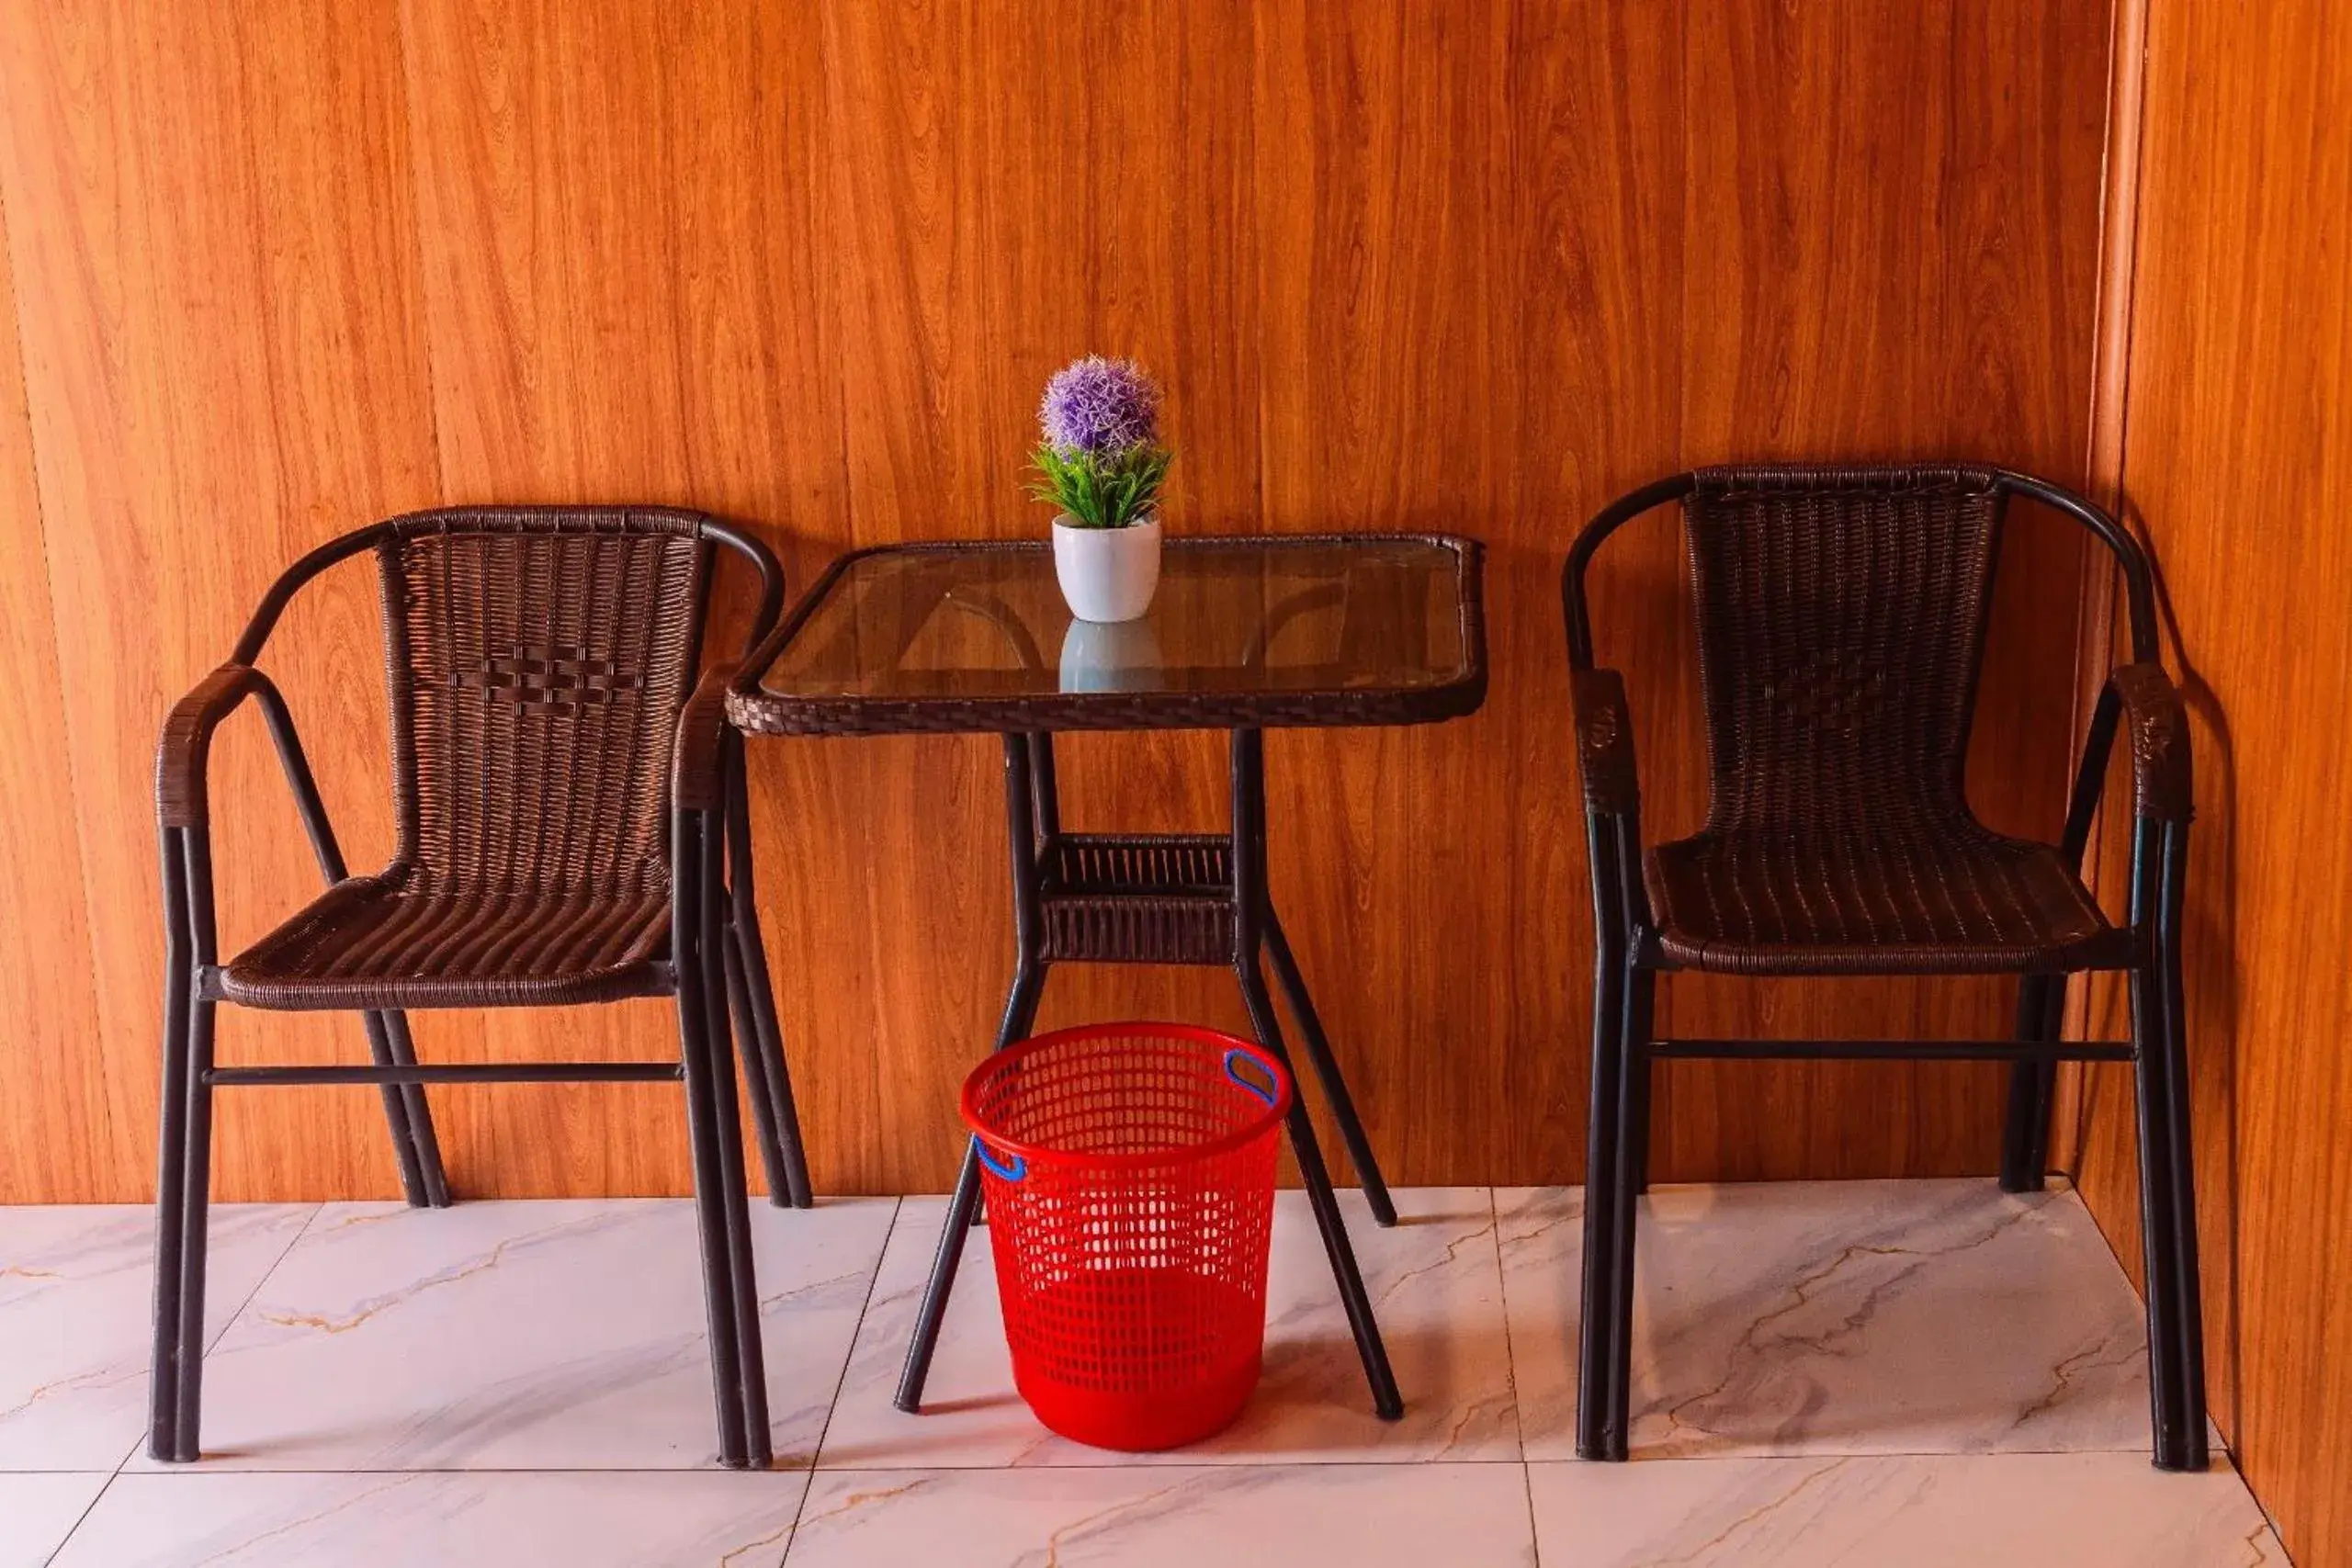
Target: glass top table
<point>1244,635</point>
<point>1259,631</point>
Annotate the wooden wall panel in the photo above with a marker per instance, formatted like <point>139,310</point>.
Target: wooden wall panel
<point>1008,218</point>
<point>222,369</point>
<point>2237,462</point>
<point>1477,268</point>
<point>1861,281</point>
<point>44,922</point>
<point>621,274</point>
<point>1389,400</point>
<point>1597,214</point>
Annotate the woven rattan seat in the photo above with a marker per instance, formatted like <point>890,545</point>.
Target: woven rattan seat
<point>538,663</point>
<point>1841,621</point>
<point>1930,897</point>
<point>373,942</point>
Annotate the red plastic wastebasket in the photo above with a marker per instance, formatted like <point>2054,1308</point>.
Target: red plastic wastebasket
<point>1129,1172</point>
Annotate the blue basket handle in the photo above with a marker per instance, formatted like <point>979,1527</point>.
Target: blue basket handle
<point>1234,1059</point>
<point>1013,1172</point>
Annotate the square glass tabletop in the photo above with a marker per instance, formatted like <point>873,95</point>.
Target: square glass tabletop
<point>1244,632</point>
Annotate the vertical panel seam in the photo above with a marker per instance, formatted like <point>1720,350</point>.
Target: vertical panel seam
<point>2103,465</point>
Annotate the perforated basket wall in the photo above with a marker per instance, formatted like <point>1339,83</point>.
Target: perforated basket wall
<point>1129,1173</point>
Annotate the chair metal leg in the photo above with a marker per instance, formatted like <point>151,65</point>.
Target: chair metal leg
<point>1597,1435</point>
<point>2187,1312</point>
<point>1633,1138</point>
<point>751,994</point>
<point>196,1201</point>
<point>702,1136</point>
<point>406,1112</point>
<point>171,1159</point>
<point>1019,1012</point>
<point>726,1122</point>
<point>1639,1071</point>
<point>2025,1136</point>
<point>1327,1072</point>
<point>2167,1189</point>
<point>2164,1382</point>
<point>184,1189</point>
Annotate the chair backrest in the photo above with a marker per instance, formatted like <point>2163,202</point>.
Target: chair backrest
<point>1841,623</point>
<point>538,659</point>
<point>1841,615</point>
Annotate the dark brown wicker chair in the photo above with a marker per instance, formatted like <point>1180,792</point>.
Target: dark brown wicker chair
<point>565,795</point>
<point>1841,614</point>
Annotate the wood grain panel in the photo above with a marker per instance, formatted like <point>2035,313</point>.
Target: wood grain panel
<point>2237,461</point>
<point>1475,267</point>
<point>222,369</point>
<point>65,1145</point>
<point>1389,402</point>
<point>1880,201</point>
<point>622,274</point>
<point>1598,160</point>
<point>1010,217</point>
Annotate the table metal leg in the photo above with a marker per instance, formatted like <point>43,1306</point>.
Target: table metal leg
<point>752,1002</point>
<point>1249,905</point>
<point>1020,1013</point>
<point>1327,1071</point>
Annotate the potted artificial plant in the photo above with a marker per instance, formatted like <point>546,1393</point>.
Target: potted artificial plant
<point>1100,459</point>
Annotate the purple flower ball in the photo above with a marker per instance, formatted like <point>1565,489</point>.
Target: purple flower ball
<point>1101,406</point>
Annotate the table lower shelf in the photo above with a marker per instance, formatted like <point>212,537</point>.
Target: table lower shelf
<point>1137,898</point>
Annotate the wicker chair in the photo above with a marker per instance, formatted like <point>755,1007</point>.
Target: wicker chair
<point>565,795</point>
<point>1841,614</point>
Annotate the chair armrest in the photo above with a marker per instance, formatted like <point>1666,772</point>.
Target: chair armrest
<point>1604,742</point>
<point>697,775</point>
<point>2157,725</point>
<point>180,756</point>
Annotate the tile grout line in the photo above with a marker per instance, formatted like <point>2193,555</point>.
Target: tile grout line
<point>1510,1370</point>
<point>817,1456</point>
<point>116,1473</point>
<point>83,1518</point>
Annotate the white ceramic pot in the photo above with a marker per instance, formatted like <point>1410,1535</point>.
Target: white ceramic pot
<point>1107,574</point>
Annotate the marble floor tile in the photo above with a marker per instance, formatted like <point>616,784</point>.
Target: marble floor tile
<point>1435,1284</point>
<point>1839,1318</point>
<point>2087,1510</point>
<point>550,1335</point>
<point>78,1314</point>
<point>1273,1515</point>
<point>40,1509</point>
<point>438,1520</point>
